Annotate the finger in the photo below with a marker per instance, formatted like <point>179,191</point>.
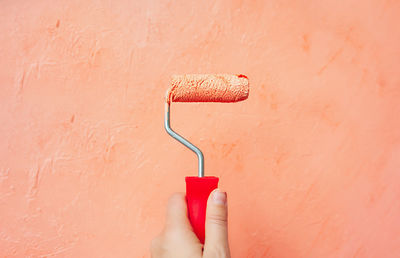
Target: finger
<point>216,241</point>
<point>177,212</point>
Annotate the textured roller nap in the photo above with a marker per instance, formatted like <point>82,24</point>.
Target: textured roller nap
<point>208,88</point>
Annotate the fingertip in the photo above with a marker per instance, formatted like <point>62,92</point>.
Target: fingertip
<point>218,197</point>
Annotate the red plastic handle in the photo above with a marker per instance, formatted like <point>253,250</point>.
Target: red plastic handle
<point>197,191</point>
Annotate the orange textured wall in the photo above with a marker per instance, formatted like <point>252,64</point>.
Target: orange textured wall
<point>311,161</point>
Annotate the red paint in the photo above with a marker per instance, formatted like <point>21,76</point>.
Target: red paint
<point>310,161</point>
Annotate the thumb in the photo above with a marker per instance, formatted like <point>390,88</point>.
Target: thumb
<point>216,240</point>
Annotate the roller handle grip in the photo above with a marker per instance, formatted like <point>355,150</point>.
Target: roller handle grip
<point>197,191</point>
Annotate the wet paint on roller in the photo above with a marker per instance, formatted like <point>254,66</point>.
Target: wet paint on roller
<point>208,88</point>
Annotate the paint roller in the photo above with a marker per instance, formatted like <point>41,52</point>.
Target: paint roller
<point>226,88</point>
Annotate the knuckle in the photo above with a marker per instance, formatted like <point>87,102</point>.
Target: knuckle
<point>175,200</point>
<point>175,197</point>
<point>218,219</point>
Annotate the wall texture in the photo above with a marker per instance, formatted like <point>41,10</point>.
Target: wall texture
<point>311,161</point>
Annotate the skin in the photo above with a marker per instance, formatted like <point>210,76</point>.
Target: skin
<point>178,239</point>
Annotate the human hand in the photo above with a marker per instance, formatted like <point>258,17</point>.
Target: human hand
<point>178,239</point>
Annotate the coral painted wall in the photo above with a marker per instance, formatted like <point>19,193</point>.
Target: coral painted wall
<point>311,161</point>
